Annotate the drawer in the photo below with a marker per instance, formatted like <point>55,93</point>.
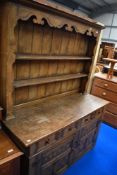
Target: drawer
<point>112,108</point>
<point>56,151</point>
<point>61,165</point>
<point>80,143</point>
<point>54,138</point>
<point>105,84</point>
<point>87,129</point>
<point>91,138</point>
<point>105,94</point>
<point>110,119</point>
<point>93,117</point>
<point>56,167</point>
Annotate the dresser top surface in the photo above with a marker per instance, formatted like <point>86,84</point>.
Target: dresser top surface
<point>104,76</point>
<point>8,150</point>
<point>36,122</point>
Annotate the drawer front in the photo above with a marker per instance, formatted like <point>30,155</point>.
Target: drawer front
<point>105,84</point>
<point>86,130</point>
<point>50,162</point>
<point>64,133</point>
<point>61,165</point>
<point>112,108</point>
<point>110,119</point>
<point>91,138</point>
<point>53,153</point>
<point>81,143</point>
<point>56,167</point>
<point>93,117</point>
<point>105,94</point>
<point>54,138</point>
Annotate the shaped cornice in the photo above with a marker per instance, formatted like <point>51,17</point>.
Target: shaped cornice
<point>53,20</point>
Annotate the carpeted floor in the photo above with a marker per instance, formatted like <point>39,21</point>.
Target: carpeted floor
<point>102,159</point>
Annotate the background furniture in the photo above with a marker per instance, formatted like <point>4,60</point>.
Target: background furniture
<point>106,51</point>
<point>107,89</point>
<point>9,156</point>
<point>46,60</point>
<point>111,69</point>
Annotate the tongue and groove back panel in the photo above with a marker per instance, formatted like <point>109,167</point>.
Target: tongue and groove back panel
<point>45,51</point>
<point>49,52</point>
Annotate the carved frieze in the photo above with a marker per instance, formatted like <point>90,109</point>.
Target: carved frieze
<point>40,17</point>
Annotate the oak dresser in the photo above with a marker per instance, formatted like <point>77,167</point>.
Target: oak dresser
<point>46,56</point>
<point>107,89</point>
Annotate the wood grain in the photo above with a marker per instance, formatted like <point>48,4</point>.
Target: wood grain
<point>35,81</point>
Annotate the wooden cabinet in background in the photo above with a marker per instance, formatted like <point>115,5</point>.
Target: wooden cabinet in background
<point>9,156</point>
<point>107,89</point>
<point>46,56</point>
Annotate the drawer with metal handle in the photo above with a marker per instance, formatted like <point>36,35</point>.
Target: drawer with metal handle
<point>112,108</point>
<point>105,84</point>
<point>105,94</point>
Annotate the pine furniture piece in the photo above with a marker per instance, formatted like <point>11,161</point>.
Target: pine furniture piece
<point>107,89</point>
<point>9,156</point>
<point>106,51</point>
<point>47,54</point>
<point>111,69</point>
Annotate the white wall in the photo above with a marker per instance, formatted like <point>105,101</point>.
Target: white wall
<point>110,21</point>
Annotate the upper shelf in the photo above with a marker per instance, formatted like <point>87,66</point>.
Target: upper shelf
<point>47,57</point>
<point>43,80</point>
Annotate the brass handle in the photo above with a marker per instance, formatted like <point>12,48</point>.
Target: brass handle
<point>104,93</point>
<point>106,85</point>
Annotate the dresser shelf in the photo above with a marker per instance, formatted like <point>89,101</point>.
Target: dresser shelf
<point>47,57</point>
<point>44,80</point>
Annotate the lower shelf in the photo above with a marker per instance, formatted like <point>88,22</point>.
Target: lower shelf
<point>44,80</point>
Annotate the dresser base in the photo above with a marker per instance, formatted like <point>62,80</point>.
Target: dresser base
<point>56,133</point>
